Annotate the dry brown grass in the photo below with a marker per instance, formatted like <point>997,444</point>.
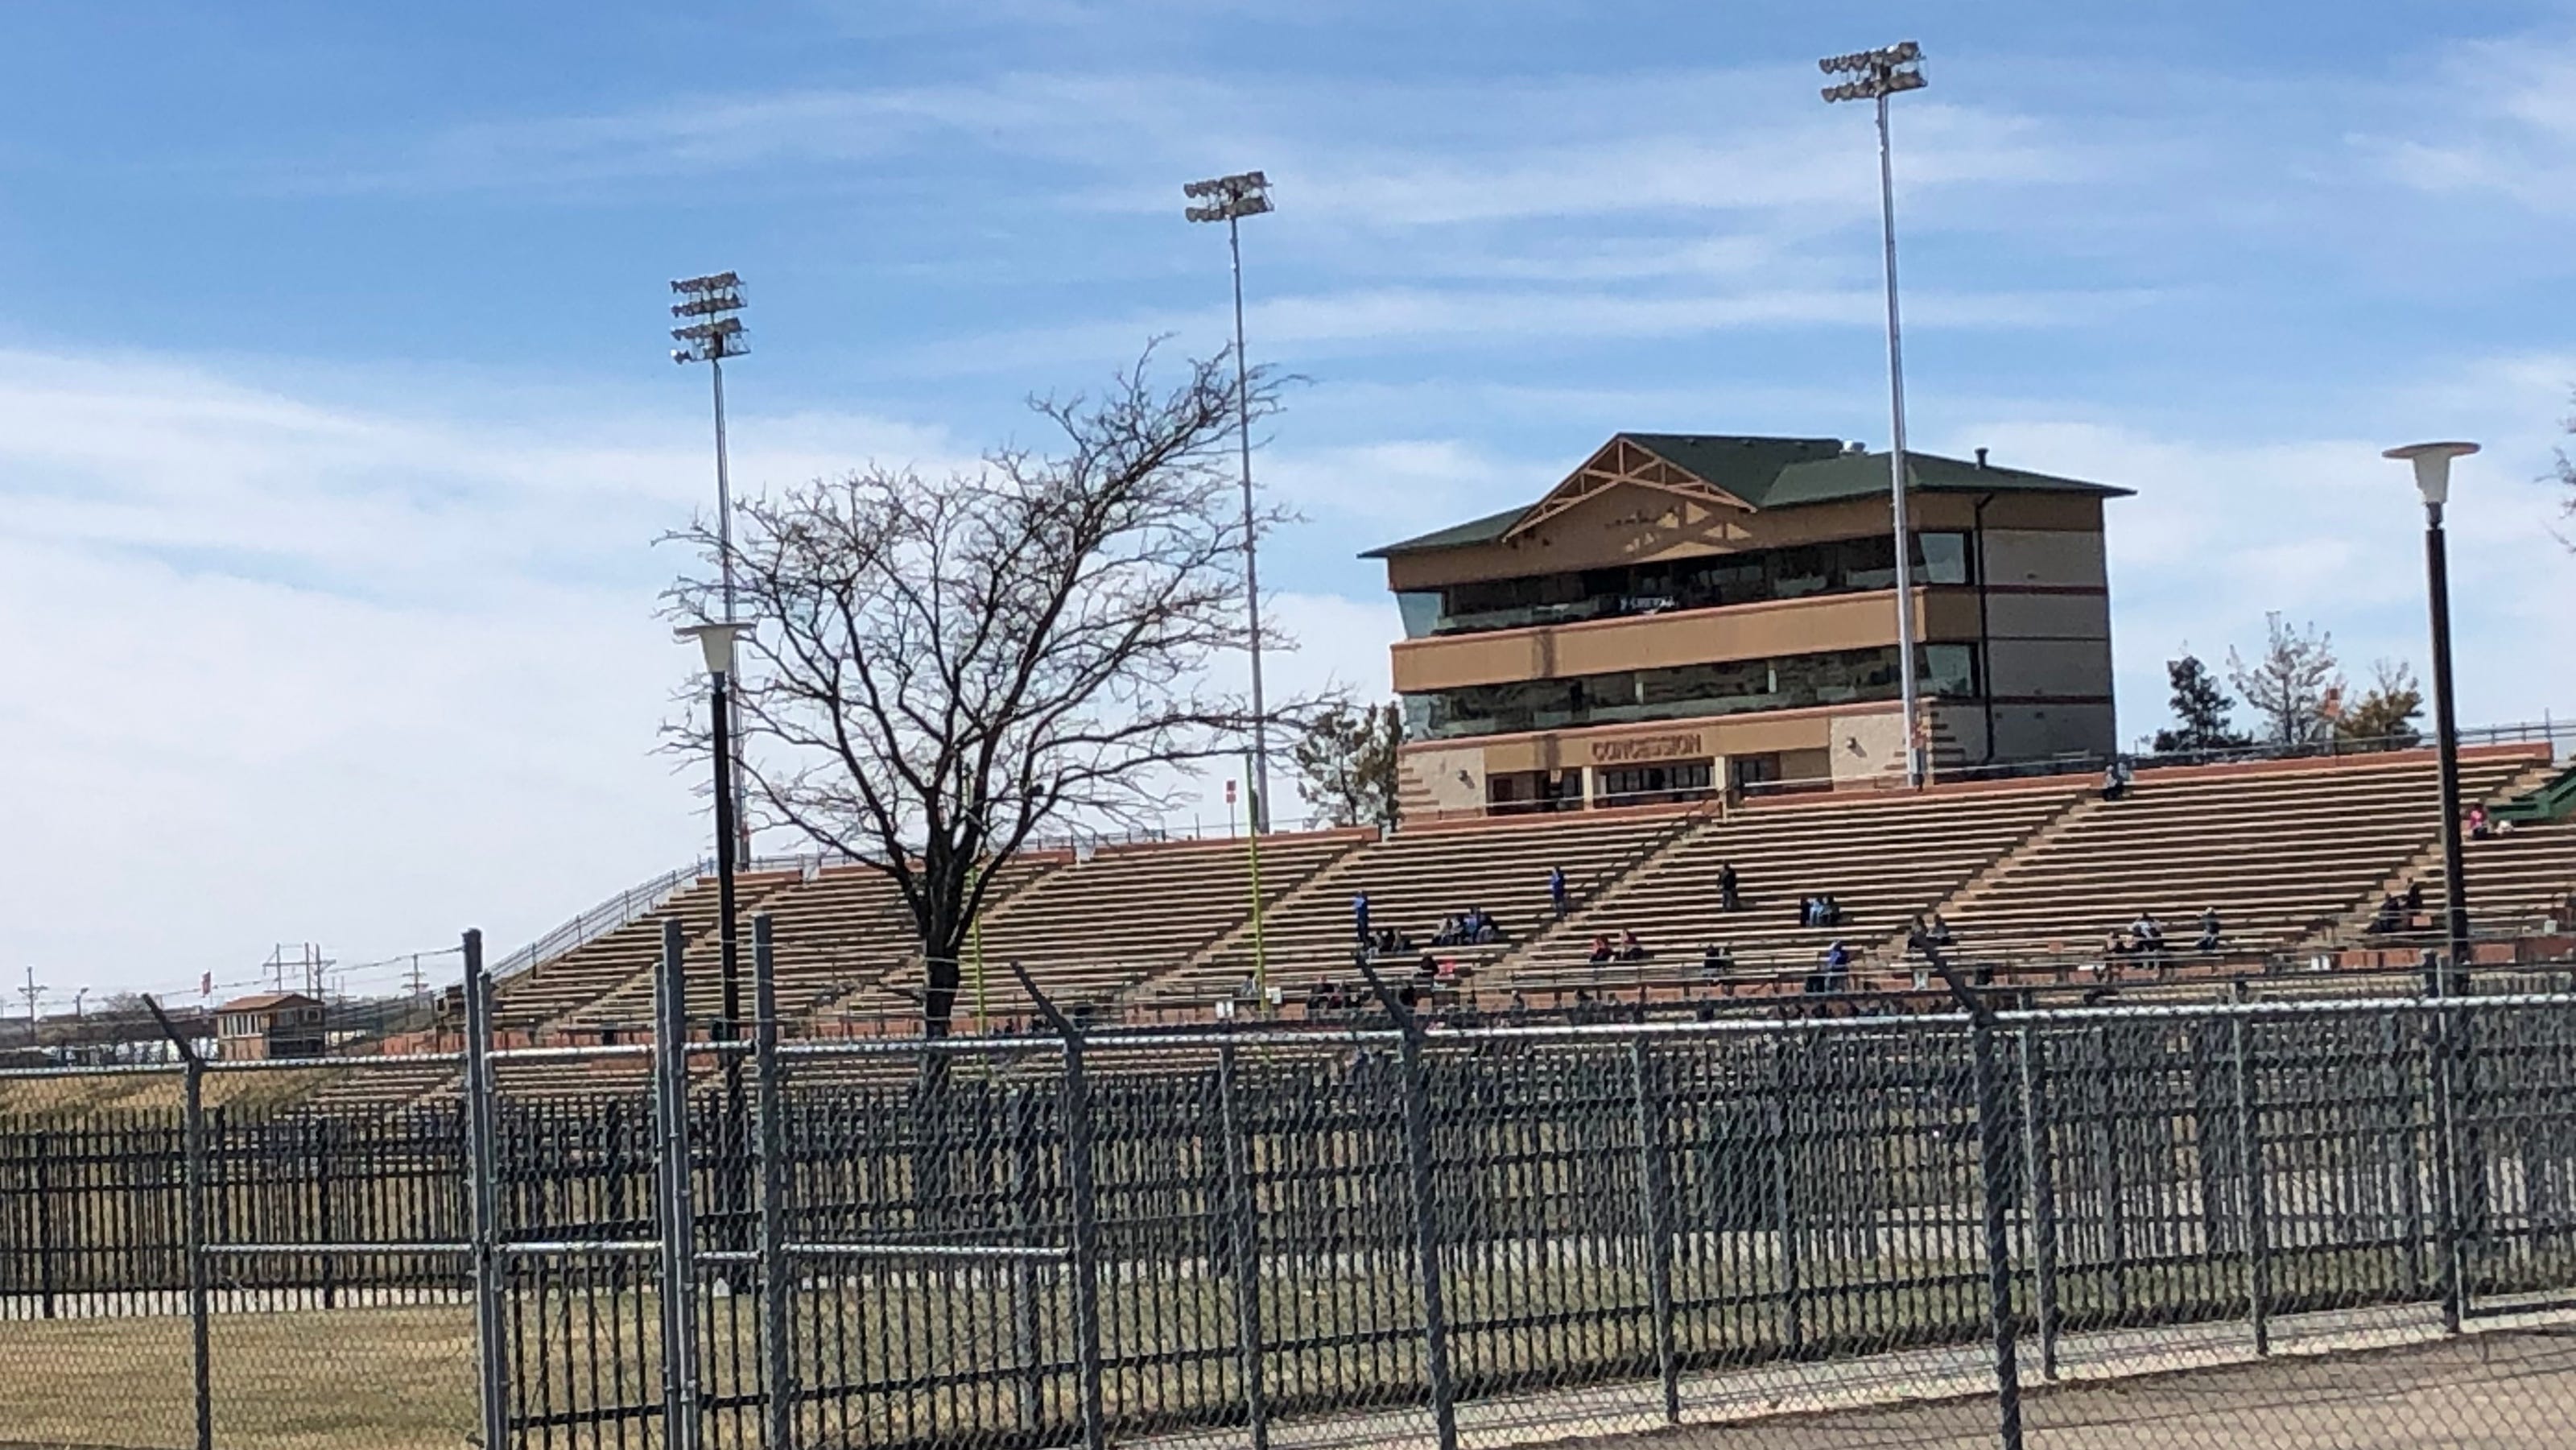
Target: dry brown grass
<point>344,1379</point>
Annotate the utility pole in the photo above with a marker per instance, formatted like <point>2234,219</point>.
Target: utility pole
<point>34,992</point>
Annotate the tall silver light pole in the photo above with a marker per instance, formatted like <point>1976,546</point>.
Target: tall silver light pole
<point>709,332</point>
<point>1879,74</point>
<point>1229,199</point>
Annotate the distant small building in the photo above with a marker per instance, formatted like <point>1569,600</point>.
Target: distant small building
<point>268,1025</point>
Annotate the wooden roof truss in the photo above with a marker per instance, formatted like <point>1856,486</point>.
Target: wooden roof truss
<point>1624,463</point>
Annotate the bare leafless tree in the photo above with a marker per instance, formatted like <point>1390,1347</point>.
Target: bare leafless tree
<point>944,667</point>
<point>2295,687</point>
<point>2565,471</point>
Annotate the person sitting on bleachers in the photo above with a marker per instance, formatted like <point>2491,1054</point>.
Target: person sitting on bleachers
<point>1806,911</point>
<point>1941,934</point>
<point>2115,780</point>
<point>2115,949</point>
<point>1631,949</point>
<point>1602,952</point>
<point>1715,960</point>
<point>2391,917</point>
<point>1836,966</point>
<point>2477,819</point>
<point>2209,931</point>
<point>1482,930</point>
<point>1448,935</point>
<point>1728,898</point>
<point>2414,899</point>
<point>1829,912</point>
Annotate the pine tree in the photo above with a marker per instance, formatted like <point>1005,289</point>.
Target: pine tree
<point>2385,716</point>
<point>2201,711</point>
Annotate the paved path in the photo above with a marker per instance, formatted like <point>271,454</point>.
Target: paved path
<point>2356,1380</point>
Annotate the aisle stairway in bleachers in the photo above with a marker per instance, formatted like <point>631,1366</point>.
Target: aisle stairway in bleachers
<point>1417,877</point>
<point>2521,879</point>
<point>1883,857</point>
<point>2281,849</point>
<point>621,959</point>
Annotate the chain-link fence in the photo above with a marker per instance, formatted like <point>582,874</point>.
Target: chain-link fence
<point>2323,1223</point>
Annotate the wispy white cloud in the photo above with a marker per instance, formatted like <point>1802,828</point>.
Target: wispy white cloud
<point>2499,118</point>
<point>356,674</point>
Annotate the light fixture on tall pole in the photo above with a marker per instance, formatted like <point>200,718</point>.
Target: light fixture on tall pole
<point>718,640</point>
<point>710,331</point>
<point>1877,75</point>
<point>1229,199</point>
<point>2432,463</point>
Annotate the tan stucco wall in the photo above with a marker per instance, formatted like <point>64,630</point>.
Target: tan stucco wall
<point>1692,637</point>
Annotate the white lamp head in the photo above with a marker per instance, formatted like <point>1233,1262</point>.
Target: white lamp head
<point>2432,466</point>
<point>718,640</point>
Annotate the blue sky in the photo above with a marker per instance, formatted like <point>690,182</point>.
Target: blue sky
<point>335,424</point>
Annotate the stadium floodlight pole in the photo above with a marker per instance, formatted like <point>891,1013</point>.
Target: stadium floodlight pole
<point>1877,75</point>
<point>2433,480</point>
<point>1229,199</point>
<point>710,331</point>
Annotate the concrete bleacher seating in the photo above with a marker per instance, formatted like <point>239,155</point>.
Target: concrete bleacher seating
<point>1883,858</point>
<point>1417,877</point>
<point>369,1089</point>
<point>837,930</point>
<point>1127,915</point>
<point>2521,880</point>
<point>2281,849</point>
<point>2293,854</point>
<point>598,969</point>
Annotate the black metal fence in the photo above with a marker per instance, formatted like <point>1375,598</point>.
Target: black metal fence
<point>1477,1236</point>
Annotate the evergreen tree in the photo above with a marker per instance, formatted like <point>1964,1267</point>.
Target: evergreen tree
<point>2201,711</point>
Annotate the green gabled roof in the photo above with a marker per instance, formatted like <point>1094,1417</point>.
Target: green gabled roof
<point>1768,473</point>
<point>1456,536</point>
<point>1742,466</point>
<point>1864,475</point>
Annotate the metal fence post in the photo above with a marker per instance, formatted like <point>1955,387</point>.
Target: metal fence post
<point>1086,1239</point>
<point>1022,1116</point>
<point>200,1347</point>
<point>1426,1207</point>
<point>1080,1188</point>
<point>45,1276</point>
<point>678,1217</point>
<point>1784,1209</point>
<point>483,1193</point>
<point>192,1133</point>
<point>778,1361</point>
<point>2043,1198</point>
<point>1995,1170</point>
<point>1243,1243</point>
<point>2446,1169</point>
<point>1654,1184</point>
<point>2249,1158</point>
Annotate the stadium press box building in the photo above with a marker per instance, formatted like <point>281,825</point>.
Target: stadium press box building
<point>1686,612</point>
